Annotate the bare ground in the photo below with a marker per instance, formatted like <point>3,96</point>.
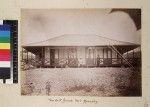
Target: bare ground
<point>82,81</point>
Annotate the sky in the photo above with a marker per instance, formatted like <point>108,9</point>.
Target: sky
<point>39,25</point>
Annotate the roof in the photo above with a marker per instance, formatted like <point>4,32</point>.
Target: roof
<point>79,40</point>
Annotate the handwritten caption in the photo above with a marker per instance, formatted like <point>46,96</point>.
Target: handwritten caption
<point>76,100</point>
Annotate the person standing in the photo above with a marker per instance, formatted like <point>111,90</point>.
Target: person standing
<point>31,87</point>
<point>98,61</point>
<point>48,88</point>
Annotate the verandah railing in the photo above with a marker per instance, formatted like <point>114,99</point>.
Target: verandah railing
<point>86,62</point>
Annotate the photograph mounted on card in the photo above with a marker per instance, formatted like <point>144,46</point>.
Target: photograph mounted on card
<point>81,52</point>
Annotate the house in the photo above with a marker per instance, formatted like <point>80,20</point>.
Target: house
<point>77,50</point>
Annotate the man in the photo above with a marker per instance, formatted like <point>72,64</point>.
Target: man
<point>31,87</point>
<point>48,88</point>
<point>98,60</point>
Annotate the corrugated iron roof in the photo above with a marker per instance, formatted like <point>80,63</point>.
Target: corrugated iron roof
<point>79,40</point>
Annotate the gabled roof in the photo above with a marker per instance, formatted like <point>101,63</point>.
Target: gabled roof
<point>79,40</point>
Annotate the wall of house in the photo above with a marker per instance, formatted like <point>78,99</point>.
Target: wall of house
<point>85,55</point>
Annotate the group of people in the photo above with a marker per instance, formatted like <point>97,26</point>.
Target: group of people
<point>82,61</point>
<point>47,88</point>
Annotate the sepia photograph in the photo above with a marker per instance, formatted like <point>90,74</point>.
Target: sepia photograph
<point>81,52</point>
